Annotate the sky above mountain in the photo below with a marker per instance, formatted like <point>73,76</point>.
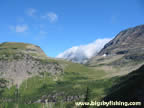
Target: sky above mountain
<point>57,25</point>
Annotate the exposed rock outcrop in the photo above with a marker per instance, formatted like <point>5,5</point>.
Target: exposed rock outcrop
<point>19,61</point>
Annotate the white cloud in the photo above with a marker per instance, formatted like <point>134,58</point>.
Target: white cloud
<point>83,52</point>
<point>19,28</point>
<point>31,11</point>
<point>51,16</point>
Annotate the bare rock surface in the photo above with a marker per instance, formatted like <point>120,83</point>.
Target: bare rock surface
<point>19,61</point>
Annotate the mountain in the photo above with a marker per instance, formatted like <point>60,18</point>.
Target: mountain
<point>127,41</point>
<point>125,51</point>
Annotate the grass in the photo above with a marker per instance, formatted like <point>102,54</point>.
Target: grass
<point>129,88</point>
<point>47,61</point>
<point>13,50</point>
<point>89,72</point>
<point>10,50</point>
<point>13,45</point>
<point>129,85</point>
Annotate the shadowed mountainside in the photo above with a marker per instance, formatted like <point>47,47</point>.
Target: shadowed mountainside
<point>129,89</point>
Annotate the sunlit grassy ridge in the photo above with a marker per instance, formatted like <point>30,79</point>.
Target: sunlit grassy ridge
<point>13,45</point>
<point>10,49</point>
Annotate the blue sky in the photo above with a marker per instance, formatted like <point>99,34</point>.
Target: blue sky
<point>56,25</point>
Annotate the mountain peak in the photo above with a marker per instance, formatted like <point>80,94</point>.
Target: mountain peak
<point>126,41</point>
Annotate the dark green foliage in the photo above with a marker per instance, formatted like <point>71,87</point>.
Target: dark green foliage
<point>87,97</point>
<point>3,85</point>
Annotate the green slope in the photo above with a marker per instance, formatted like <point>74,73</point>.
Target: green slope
<point>130,89</point>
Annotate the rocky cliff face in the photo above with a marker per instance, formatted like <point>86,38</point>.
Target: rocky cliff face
<point>18,61</point>
<point>128,41</point>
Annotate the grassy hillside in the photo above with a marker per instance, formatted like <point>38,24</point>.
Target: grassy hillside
<point>10,50</point>
<point>68,87</point>
<point>14,45</point>
<point>130,88</point>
